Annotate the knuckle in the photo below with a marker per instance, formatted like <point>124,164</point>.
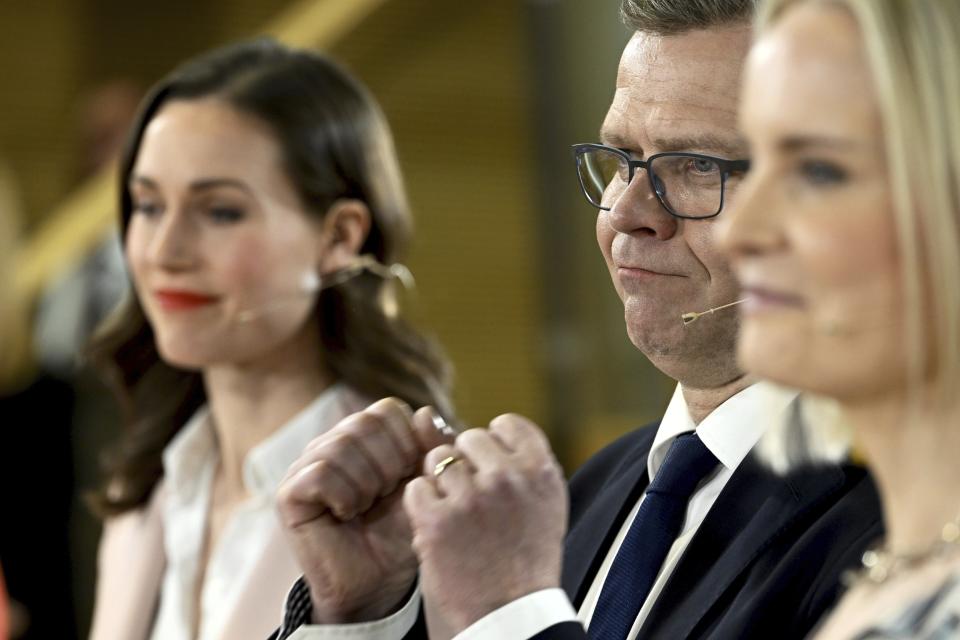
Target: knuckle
<point>507,422</point>
<point>346,425</point>
<point>321,470</point>
<point>326,476</point>
<point>370,425</point>
<point>500,482</point>
<point>384,409</point>
<point>435,455</point>
<point>316,442</point>
<point>285,494</point>
<point>338,445</point>
<point>410,493</point>
<point>470,436</point>
<point>546,471</point>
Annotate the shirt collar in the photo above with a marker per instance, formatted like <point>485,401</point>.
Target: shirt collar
<point>194,448</point>
<point>730,431</point>
<point>188,455</point>
<point>267,463</point>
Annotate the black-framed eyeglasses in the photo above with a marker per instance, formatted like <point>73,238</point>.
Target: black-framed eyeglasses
<point>688,185</point>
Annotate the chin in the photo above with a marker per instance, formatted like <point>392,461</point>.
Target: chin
<point>655,337</point>
<point>777,354</point>
<point>183,357</point>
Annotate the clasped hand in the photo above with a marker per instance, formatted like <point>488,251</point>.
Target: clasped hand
<point>367,503</point>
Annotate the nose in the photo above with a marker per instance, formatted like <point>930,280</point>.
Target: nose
<point>638,211</point>
<point>171,246</point>
<point>751,222</point>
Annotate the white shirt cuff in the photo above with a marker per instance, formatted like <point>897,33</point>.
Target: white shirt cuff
<point>522,618</point>
<point>393,627</point>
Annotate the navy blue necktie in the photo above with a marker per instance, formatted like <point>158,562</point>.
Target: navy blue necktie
<point>650,537</point>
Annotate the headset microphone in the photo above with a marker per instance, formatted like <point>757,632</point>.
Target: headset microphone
<point>311,283</point>
<point>692,316</point>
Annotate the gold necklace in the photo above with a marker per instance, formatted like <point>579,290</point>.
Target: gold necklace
<point>878,565</point>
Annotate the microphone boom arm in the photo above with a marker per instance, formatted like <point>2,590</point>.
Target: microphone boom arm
<point>691,317</point>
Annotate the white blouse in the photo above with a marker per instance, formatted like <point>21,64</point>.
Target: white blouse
<point>189,462</point>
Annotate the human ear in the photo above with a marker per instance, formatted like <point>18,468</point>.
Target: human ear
<point>345,229</point>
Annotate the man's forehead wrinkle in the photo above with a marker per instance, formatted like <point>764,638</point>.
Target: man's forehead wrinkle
<point>652,69</point>
<point>673,84</point>
<point>665,120</point>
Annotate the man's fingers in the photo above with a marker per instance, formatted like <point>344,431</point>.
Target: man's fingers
<point>419,496</point>
<point>317,488</point>
<point>343,453</point>
<point>449,470</point>
<point>427,432</point>
<point>396,419</point>
<point>483,449</point>
<point>375,448</point>
<point>387,441</point>
<point>520,435</point>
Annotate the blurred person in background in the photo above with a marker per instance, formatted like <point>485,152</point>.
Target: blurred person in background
<point>846,239</point>
<point>69,309</point>
<point>78,300</point>
<point>34,537</point>
<point>261,208</point>
<point>16,366</point>
<point>12,344</point>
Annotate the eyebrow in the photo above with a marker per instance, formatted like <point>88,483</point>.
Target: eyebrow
<point>197,185</point>
<point>613,139</point>
<point>800,143</point>
<point>705,143</point>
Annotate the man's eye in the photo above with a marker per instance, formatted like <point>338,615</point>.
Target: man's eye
<point>822,173</point>
<point>702,165</point>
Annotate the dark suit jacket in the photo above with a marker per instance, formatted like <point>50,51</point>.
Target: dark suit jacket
<point>765,563</point>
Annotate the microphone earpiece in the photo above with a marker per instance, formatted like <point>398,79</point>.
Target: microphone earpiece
<point>403,274</point>
<point>310,282</point>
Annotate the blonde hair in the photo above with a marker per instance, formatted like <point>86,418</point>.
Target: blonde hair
<point>913,51</point>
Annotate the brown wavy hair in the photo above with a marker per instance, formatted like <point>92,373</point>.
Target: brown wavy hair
<point>336,144</point>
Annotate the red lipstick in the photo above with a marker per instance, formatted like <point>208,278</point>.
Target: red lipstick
<point>175,300</point>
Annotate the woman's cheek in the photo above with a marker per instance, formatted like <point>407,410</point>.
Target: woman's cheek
<point>245,266</point>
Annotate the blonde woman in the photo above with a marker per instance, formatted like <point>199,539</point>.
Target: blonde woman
<point>846,238</point>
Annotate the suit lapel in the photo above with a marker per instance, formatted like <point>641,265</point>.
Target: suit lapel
<point>591,536</point>
<point>752,510</point>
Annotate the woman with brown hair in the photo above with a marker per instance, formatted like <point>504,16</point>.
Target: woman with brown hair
<point>261,209</point>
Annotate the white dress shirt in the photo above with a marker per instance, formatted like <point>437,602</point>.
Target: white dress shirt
<point>189,462</point>
<point>729,432</point>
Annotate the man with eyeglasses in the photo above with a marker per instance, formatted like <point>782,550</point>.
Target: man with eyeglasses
<point>676,530</point>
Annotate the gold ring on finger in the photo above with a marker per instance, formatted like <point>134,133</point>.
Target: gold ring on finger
<point>443,464</point>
